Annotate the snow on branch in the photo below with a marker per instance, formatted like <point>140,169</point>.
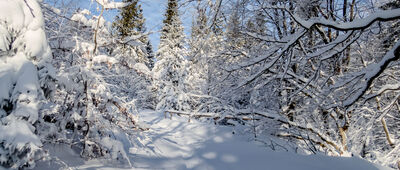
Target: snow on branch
<point>112,5</point>
<point>386,15</point>
<point>372,72</point>
<point>265,68</point>
<point>261,37</point>
<point>217,9</point>
<point>290,43</point>
<point>332,45</point>
<point>386,88</point>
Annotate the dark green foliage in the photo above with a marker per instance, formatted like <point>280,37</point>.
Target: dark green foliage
<point>150,55</point>
<point>131,21</point>
<point>172,11</point>
<point>172,32</point>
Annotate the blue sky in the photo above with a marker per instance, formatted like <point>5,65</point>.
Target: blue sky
<point>153,11</point>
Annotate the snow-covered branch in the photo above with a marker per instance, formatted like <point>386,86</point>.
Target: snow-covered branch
<point>372,72</point>
<point>112,5</point>
<point>359,24</point>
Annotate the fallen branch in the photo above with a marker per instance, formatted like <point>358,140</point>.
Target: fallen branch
<point>198,116</point>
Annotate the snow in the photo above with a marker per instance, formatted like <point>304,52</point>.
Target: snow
<point>24,43</point>
<point>115,147</point>
<point>331,45</point>
<point>36,43</point>
<point>176,144</point>
<point>104,59</point>
<point>354,25</point>
<point>18,133</point>
<point>18,69</point>
<point>11,11</point>
<point>111,5</point>
<point>5,83</point>
<point>370,73</point>
<point>27,91</point>
<point>81,17</point>
<point>52,9</point>
<point>143,69</point>
<point>94,100</point>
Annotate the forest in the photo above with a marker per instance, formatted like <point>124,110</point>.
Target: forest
<point>303,77</point>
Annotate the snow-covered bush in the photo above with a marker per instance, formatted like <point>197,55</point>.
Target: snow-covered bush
<point>94,104</point>
<point>24,73</point>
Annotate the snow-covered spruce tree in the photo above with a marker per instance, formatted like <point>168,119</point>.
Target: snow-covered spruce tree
<point>23,74</point>
<point>170,68</point>
<point>131,24</point>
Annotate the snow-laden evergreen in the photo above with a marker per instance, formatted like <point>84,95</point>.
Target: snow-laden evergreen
<point>130,25</point>
<point>170,70</point>
<point>24,53</point>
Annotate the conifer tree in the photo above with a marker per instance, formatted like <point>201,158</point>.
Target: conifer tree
<point>150,55</point>
<point>172,29</point>
<point>170,68</point>
<point>132,23</point>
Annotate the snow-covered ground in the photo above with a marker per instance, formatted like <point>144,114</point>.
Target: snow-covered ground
<point>176,144</point>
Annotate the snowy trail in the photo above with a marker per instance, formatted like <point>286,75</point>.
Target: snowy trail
<point>176,144</point>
